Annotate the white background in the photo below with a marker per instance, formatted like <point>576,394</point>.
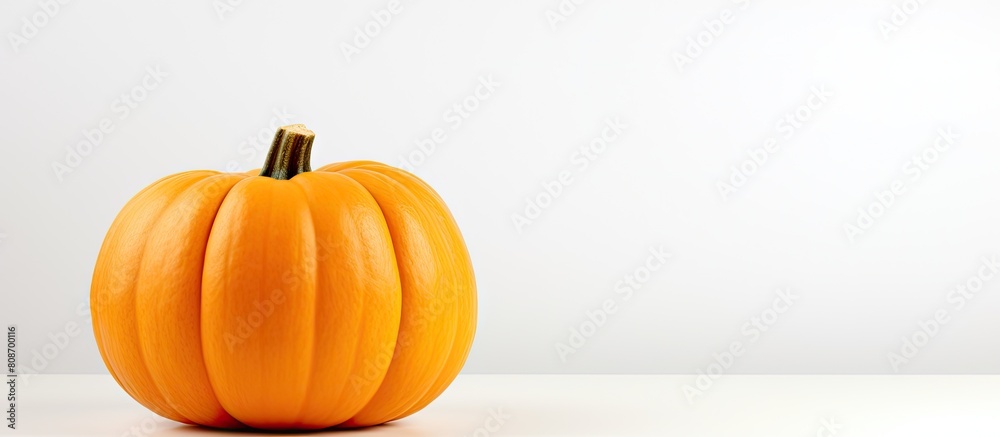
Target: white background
<point>227,75</point>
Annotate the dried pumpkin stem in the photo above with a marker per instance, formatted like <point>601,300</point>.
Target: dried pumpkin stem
<point>290,152</point>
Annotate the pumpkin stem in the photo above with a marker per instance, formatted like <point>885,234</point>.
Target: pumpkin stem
<point>290,152</point>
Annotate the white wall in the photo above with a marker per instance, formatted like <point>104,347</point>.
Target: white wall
<point>654,185</point>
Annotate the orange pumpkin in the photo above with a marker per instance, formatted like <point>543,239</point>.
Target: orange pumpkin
<point>292,299</point>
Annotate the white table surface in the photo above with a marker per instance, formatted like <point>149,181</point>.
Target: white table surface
<point>591,405</point>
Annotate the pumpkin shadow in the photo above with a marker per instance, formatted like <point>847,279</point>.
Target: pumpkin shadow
<point>371,431</point>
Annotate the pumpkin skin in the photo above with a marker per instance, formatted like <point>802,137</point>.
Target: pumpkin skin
<point>338,297</point>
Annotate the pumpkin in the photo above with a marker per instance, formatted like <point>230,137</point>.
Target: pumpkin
<point>288,299</point>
